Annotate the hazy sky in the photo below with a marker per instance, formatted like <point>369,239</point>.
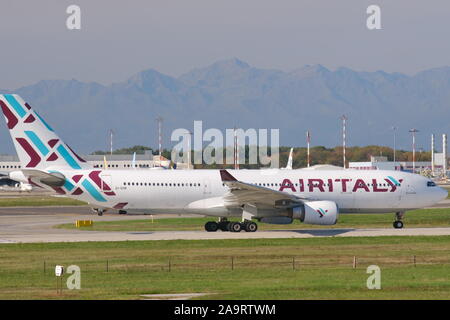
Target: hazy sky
<point>120,38</point>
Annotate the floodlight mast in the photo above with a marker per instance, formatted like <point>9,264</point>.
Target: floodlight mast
<point>414,131</point>
<point>308,141</point>
<point>159,120</point>
<point>344,129</point>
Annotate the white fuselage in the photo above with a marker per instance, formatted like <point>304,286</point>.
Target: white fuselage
<point>201,191</point>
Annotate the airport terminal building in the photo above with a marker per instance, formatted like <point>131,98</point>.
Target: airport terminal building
<point>381,163</point>
<point>116,161</point>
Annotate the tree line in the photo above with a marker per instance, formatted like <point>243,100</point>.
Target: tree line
<point>318,155</point>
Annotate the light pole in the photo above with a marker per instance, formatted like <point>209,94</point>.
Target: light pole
<point>394,129</point>
<point>414,131</point>
<point>111,134</point>
<point>189,149</point>
<point>159,120</point>
<point>308,141</point>
<point>432,155</point>
<point>344,119</point>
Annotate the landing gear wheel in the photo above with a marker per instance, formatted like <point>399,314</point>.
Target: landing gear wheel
<point>235,227</point>
<point>211,226</point>
<point>398,224</point>
<point>224,225</point>
<point>250,226</point>
<point>100,212</point>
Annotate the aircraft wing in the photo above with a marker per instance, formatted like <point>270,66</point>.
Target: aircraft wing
<point>242,193</point>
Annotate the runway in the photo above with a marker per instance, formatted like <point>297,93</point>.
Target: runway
<point>34,225</point>
<point>83,236</point>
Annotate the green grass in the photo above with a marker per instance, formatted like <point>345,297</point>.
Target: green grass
<point>38,201</point>
<point>417,218</point>
<point>262,268</point>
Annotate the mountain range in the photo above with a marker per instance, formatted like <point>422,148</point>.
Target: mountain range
<point>231,93</point>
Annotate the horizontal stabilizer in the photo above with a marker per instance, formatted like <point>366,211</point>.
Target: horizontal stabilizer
<point>54,179</point>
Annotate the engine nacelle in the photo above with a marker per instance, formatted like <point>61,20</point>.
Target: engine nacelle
<point>317,212</point>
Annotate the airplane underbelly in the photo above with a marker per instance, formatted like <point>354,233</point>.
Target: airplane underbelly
<point>346,200</point>
<point>371,200</point>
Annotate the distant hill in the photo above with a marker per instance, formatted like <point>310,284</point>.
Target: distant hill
<point>232,93</point>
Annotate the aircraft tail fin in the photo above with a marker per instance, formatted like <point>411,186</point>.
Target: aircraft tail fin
<point>289,163</point>
<point>133,162</point>
<point>37,145</point>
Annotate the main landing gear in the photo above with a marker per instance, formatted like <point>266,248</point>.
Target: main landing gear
<point>99,211</point>
<point>398,224</point>
<point>232,226</point>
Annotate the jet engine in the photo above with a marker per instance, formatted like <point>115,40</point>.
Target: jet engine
<point>317,212</point>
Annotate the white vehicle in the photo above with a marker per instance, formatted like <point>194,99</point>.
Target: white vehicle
<point>269,195</point>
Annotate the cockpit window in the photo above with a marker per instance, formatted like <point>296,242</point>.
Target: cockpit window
<point>431,184</point>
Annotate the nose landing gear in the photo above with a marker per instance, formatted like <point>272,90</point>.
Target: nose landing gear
<point>398,224</point>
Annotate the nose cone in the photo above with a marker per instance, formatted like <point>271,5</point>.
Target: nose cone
<point>441,194</point>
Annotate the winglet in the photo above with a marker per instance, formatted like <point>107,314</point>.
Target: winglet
<point>226,176</point>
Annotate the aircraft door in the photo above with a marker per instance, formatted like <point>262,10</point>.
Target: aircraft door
<point>206,187</point>
<point>106,185</point>
<point>410,190</point>
<point>347,197</point>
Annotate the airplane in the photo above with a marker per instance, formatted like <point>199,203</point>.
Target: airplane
<point>274,196</point>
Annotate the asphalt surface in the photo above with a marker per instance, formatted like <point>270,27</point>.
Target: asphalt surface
<point>36,224</point>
